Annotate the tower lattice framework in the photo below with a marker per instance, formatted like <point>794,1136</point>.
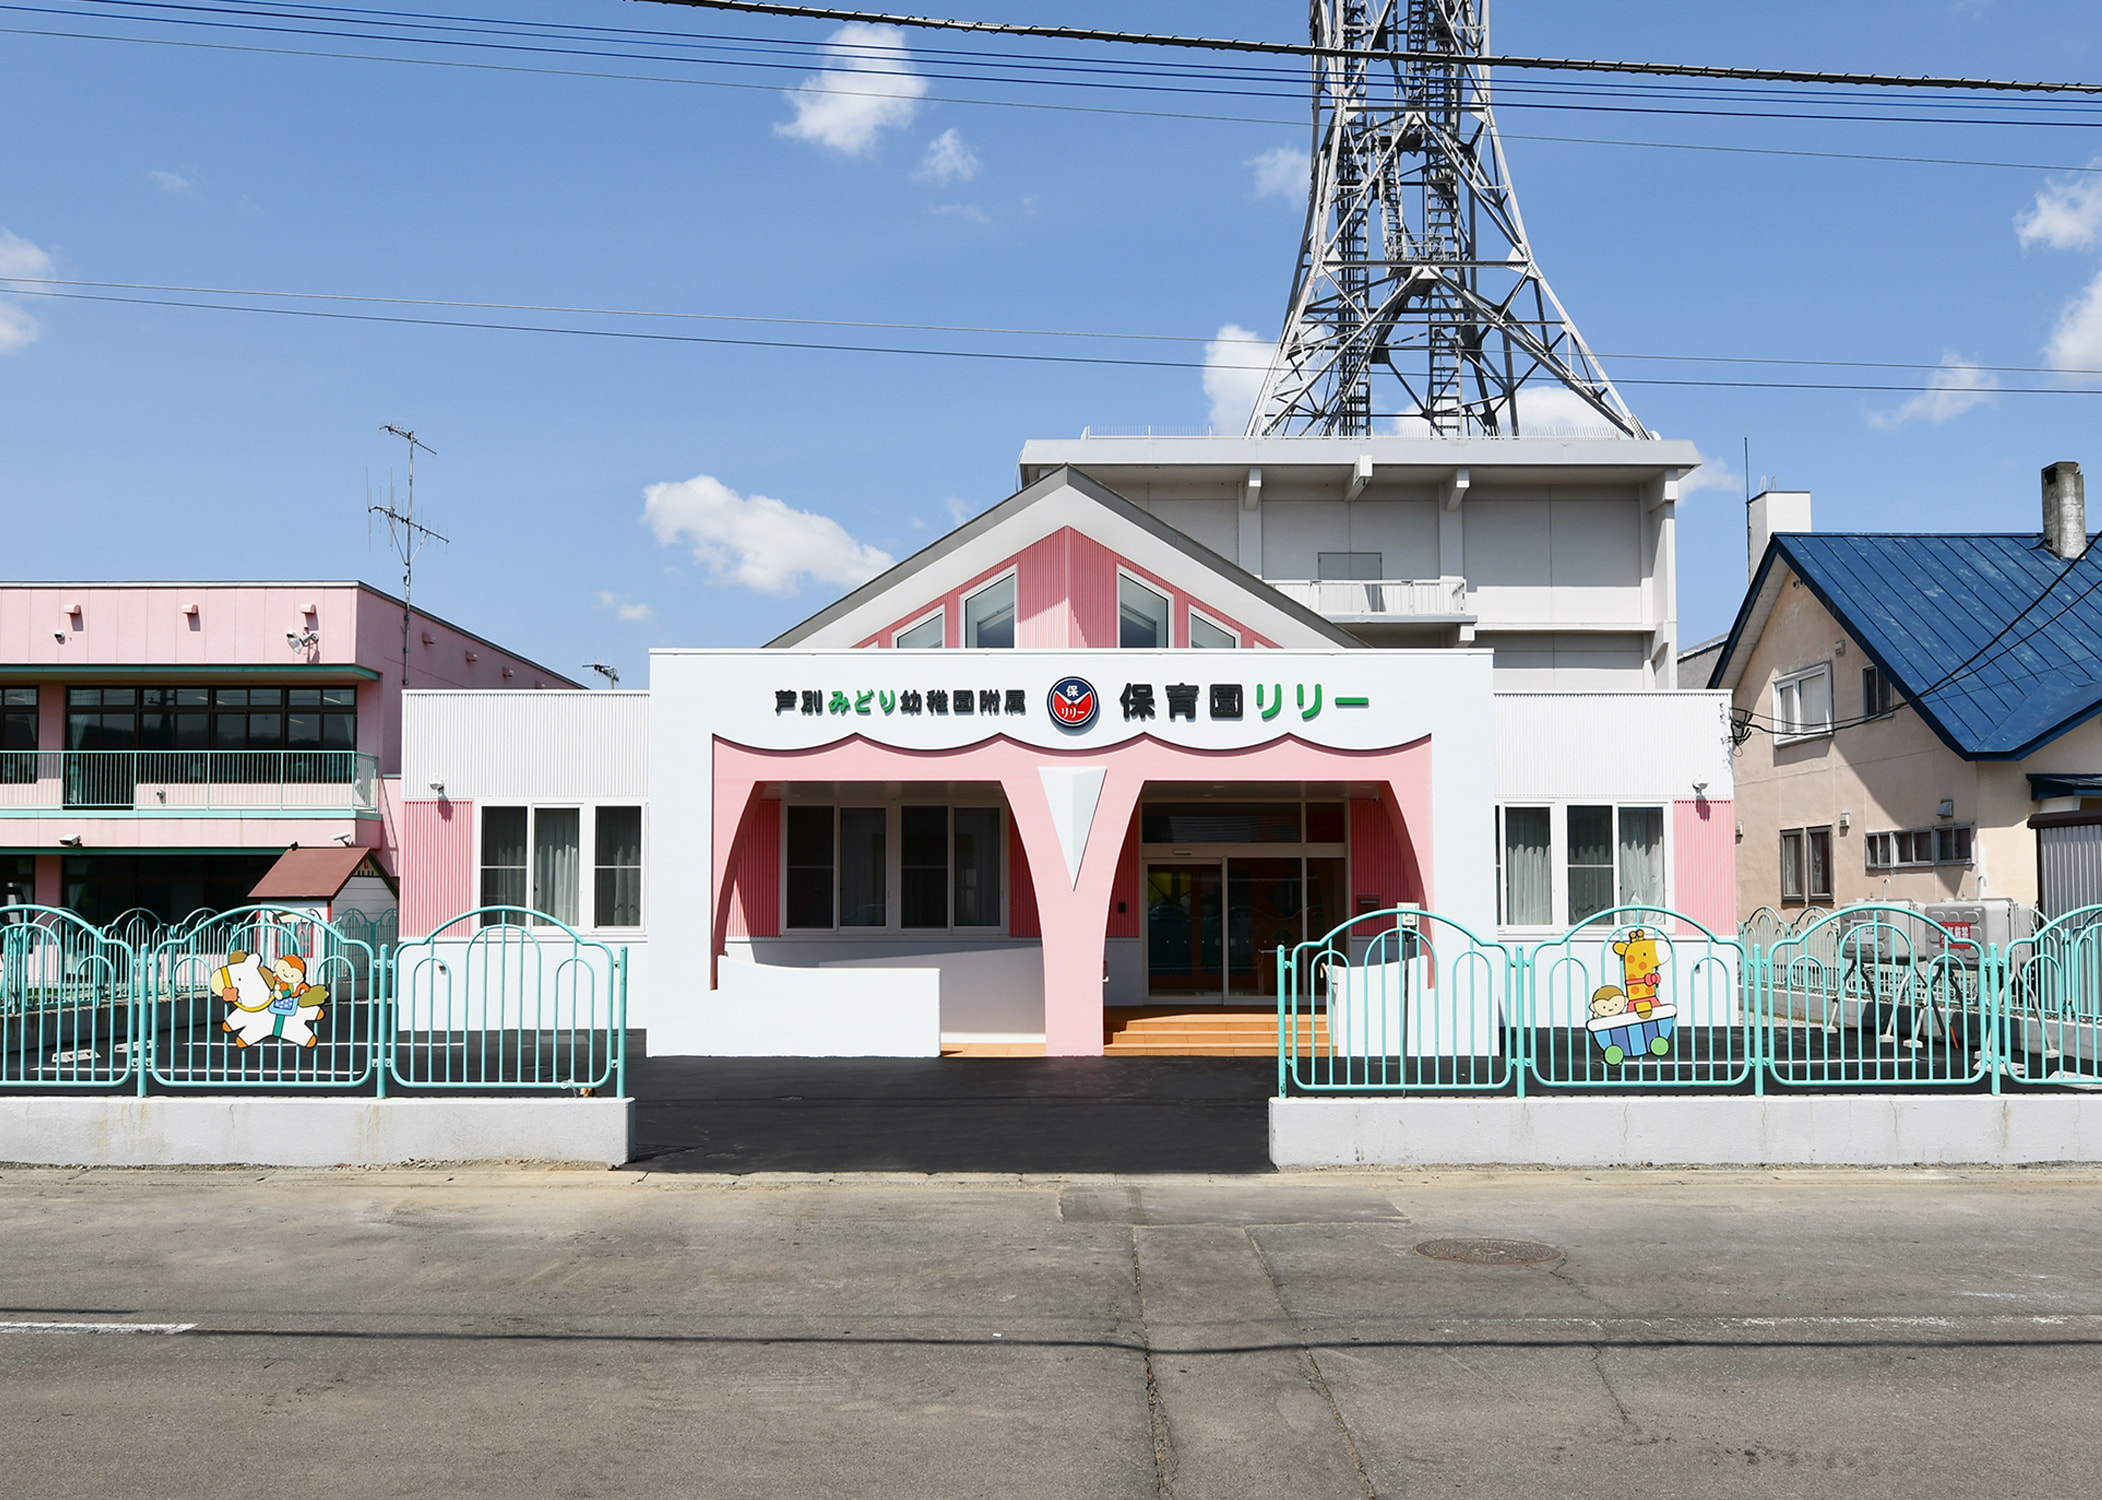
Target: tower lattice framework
<point>1417,295</point>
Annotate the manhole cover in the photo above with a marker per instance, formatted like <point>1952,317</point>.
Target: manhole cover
<point>1490,1252</point>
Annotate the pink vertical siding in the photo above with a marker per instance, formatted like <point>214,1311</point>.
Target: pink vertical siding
<point>1704,864</point>
<point>437,863</point>
<point>1377,866</point>
<point>1091,586</point>
<point>1124,889</point>
<point>755,893</point>
<point>1022,918</point>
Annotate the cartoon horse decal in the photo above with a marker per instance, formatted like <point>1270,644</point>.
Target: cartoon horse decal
<point>268,1001</point>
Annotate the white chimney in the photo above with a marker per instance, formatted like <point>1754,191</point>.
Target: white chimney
<point>1769,512</point>
<point>2065,510</point>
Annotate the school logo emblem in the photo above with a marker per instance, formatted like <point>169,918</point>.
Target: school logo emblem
<point>1073,703</point>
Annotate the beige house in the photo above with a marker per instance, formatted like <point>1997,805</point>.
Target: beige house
<point>1917,715</point>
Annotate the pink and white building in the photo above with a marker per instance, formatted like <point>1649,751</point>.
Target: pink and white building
<point>161,744</point>
<point>1089,752</point>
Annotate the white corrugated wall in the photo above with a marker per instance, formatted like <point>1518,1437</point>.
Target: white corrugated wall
<point>581,746</point>
<point>1612,745</point>
<point>2071,860</point>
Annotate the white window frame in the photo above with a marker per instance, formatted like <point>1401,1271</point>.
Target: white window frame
<point>939,612</point>
<point>1558,853</point>
<point>963,609</point>
<point>1786,731</point>
<point>1166,597</point>
<point>894,870</point>
<point>1933,835</point>
<point>1190,634</point>
<point>587,852</point>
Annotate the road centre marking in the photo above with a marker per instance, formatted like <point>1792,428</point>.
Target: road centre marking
<point>96,1327</point>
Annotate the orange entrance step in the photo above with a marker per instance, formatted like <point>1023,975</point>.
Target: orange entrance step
<point>1214,1031</point>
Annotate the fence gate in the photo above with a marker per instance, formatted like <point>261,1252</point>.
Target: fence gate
<point>67,1018</point>
<point>2054,1000</point>
<point>1638,998</point>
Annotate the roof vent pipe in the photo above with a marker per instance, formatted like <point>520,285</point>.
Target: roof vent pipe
<point>2065,510</point>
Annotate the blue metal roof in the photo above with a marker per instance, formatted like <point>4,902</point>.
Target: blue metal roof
<point>1922,605</point>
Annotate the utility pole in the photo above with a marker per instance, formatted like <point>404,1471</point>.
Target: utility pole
<point>407,534</point>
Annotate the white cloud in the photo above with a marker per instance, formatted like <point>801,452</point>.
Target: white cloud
<point>869,88</point>
<point>1954,389</point>
<point>619,604</point>
<point>1544,410</point>
<point>970,213</point>
<point>757,542</point>
<point>1713,474</point>
<point>2067,214</point>
<point>175,184</point>
<point>19,259</point>
<point>1281,172</point>
<point>1234,366</point>
<point>960,511</point>
<point>948,159</point>
<point>2076,343</point>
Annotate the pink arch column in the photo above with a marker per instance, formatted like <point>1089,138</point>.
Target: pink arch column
<point>1073,913</point>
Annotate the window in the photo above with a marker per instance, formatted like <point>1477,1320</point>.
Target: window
<point>1919,848</point>
<point>1142,616</point>
<point>1528,897</point>
<point>1351,567</point>
<point>978,866</point>
<point>864,867</point>
<point>17,879</point>
<point>927,635</point>
<point>616,835</point>
<point>200,718</point>
<point>1641,856</point>
<point>18,734</point>
<point>923,872</point>
<point>503,861</point>
<point>556,851</point>
<point>989,616</point>
<point>809,867</point>
<point>1875,693</point>
<point>1806,864</point>
<point>1207,636</point>
<point>1803,705</point>
<point>1590,862</point>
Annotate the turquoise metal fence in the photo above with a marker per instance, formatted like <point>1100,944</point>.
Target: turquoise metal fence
<point>66,1014</point>
<point>509,997</point>
<point>1401,999</point>
<point>2054,1001</point>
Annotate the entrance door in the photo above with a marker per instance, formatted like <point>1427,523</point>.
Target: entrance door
<point>1186,930</point>
<point>1265,911</point>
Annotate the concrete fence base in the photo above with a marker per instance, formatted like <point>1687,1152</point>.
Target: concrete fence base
<point>1835,1130</point>
<point>314,1131</point>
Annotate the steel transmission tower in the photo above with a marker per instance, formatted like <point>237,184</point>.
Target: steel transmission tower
<point>1417,295</point>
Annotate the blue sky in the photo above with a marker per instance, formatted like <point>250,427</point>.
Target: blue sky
<point>605,495</point>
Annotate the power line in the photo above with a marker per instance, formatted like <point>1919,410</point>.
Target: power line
<point>1013,356</point>
<point>1304,49</point>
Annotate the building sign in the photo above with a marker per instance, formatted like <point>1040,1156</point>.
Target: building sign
<point>1072,702</point>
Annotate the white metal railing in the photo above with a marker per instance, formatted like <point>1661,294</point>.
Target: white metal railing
<point>39,782</point>
<point>1379,598</point>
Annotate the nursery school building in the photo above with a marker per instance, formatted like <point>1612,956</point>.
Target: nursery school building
<point>1070,767</point>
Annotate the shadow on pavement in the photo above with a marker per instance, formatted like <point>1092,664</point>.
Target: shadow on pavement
<point>1185,1114</point>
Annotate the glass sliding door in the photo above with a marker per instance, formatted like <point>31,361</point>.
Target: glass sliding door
<point>1185,930</point>
<point>1265,908</point>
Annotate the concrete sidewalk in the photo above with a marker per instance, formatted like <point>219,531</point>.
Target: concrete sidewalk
<point>372,1333</point>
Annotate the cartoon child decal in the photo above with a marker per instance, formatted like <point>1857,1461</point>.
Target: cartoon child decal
<point>269,1001</point>
<point>1634,1022</point>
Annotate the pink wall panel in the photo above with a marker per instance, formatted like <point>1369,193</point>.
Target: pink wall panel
<point>1091,585</point>
<point>755,896</point>
<point>1022,918</point>
<point>1043,594</point>
<point>1378,867</point>
<point>1704,864</point>
<point>437,863</point>
<point>1124,891</point>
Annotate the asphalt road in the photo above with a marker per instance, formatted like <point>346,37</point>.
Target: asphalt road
<point>523,1333</point>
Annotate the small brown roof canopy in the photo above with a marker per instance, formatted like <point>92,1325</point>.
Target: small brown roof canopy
<point>313,874</point>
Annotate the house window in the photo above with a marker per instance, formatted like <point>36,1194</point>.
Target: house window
<point>1142,616</point>
<point>809,866</point>
<point>864,867</point>
<point>1615,858</point>
<point>1875,693</point>
<point>557,851</point>
<point>1803,705</point>
<point>1208,635</point>
<point>1351,567</point>
<point>1806,864</point>
<point>617,867</point>
<point>923,872</point>
<point>978,866</point>
<point>1641,856</point>
<point>200,718</point>
<point>503,861</point>
<point>1590,831</point>
<point>926,635</point>
<point>1527,867</point>
<point>989,616</point>
<point>18,734</point>
<point>1921,848</point>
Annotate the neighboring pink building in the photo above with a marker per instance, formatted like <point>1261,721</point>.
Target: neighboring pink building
<point>162,743</point>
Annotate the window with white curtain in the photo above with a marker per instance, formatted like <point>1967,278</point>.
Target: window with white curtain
<point>1803,704</point>
<point>503,860</point>
<point>557,861</point>
<point>617,867</point>
<point>1641,856</point>
<point>1527,867</point>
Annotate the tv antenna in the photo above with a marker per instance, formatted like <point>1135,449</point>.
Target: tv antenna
<point>408,534</point>
<point>1415,267</point>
